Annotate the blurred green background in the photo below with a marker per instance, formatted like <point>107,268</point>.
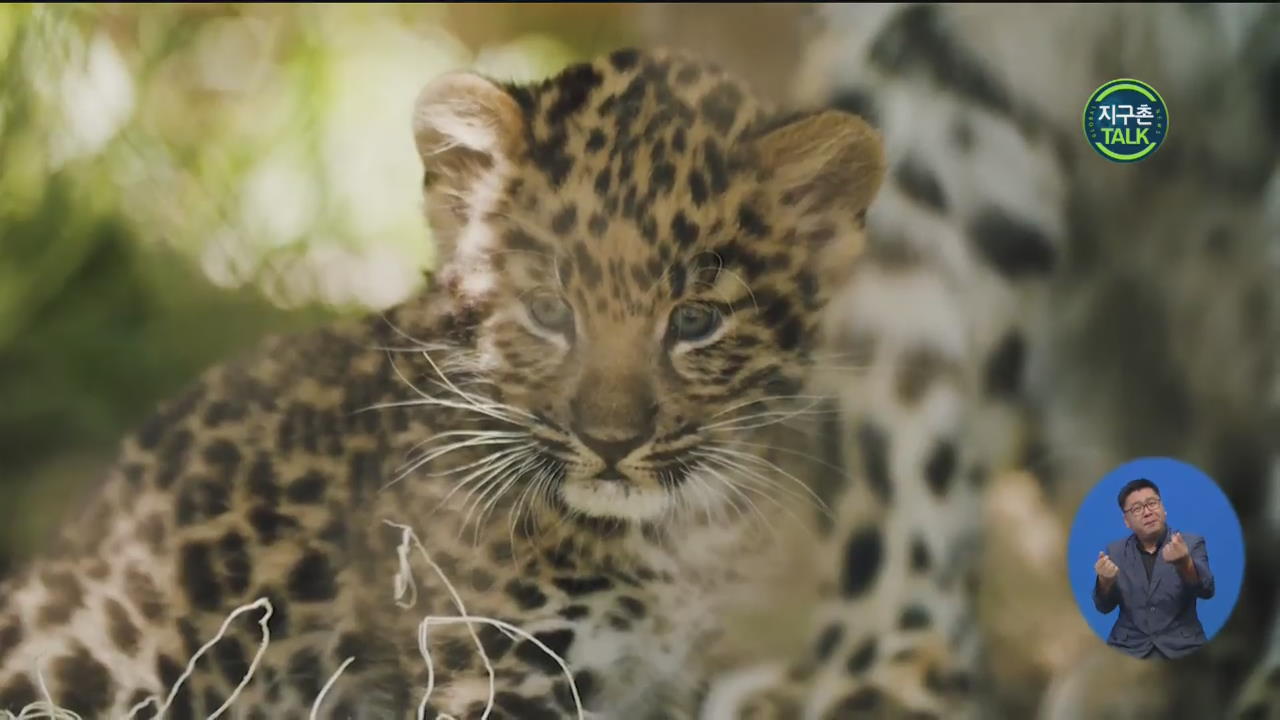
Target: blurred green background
<point>177,181</point>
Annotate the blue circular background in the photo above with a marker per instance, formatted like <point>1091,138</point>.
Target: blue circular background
<point>1156,130</point>
<point>1194,503</point>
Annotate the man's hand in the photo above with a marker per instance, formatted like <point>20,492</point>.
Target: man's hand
<point>1175,551</point>
<point>1106,569</point>
<point>1105,597</point>
<point>1176,554</point>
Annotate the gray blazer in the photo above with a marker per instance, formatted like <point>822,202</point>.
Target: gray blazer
<point>1160,613</point>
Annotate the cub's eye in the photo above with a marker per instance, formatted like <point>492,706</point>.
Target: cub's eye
<point>551,312</point>
<point>693,322</point>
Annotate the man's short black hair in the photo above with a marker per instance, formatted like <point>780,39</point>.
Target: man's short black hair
<point>1134,486</point>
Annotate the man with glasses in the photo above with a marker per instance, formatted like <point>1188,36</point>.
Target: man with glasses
<point>1155,576</point>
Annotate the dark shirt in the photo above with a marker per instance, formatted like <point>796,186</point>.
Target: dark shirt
<point>1148,559</point>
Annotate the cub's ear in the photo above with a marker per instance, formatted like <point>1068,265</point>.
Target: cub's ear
<point>829,161</point>
<point>827,167</point>
<point>467,130</point>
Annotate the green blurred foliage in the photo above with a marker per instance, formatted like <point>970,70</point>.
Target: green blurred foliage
<point>177,181</point>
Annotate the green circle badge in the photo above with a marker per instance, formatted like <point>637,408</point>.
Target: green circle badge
<point>1125,120</point>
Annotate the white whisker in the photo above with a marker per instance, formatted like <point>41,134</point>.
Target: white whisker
<point>485,468</point>
<point>440,452</point>
<point>769,398</point>
<point>409,456</point>
<point>517,474</point>
<point>765,464</point>
<point>753,478</point>
<point>788,451</point>
<point>748,422</point>
<point>762,489</point>
<point>477,442</point>
<point>732,487</point>
<point>491,480</point>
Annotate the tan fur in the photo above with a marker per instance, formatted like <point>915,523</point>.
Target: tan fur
<point>575,460</point>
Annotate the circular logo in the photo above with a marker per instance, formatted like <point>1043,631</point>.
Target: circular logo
<point>1125,120</point>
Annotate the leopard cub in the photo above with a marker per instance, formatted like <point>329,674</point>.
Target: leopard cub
<point>548,456</point>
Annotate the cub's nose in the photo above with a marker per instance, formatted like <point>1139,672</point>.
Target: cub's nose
<point>611,451</point>
<point>613,415</point>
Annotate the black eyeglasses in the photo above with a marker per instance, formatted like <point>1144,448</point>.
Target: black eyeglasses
<point>1136,509</point>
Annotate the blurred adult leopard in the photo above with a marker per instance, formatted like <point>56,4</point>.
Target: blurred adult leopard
<point>1096,312</point>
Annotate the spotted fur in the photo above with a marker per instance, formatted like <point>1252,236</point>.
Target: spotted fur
<point>634,255</point>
